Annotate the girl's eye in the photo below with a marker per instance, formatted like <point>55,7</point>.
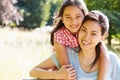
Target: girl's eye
<point>68,18</point>
<point>78,17</point>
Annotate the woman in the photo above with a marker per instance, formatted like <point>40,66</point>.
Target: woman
<point>85,62</point>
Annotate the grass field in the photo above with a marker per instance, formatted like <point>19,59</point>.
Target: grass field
<point>21,50</point>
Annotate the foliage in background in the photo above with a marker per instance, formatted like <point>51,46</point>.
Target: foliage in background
<point>9,12</point>
<point>111,8</point>
<point>37,12</point>
<point>55,5</point>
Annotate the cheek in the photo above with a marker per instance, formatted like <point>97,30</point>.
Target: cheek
<point>97,40</point>
<point>66,24</point>
<point>80,36</point>
<point>80,21</point>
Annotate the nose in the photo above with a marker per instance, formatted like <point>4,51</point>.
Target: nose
<point>87,36</point>
<point>74,21</point>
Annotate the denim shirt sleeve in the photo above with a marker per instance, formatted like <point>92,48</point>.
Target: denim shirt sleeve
<point>115,66</point>
<point>55,60</point>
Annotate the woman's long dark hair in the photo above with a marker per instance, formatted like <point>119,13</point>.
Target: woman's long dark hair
<point>78,3</point>
<point>103,21</point>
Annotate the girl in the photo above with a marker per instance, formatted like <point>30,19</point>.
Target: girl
<point>70,16</point>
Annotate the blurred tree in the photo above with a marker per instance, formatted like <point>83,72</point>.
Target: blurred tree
<point>111,8</point>
<point>38,13</point>
<point>9,12</point>
<point>55,5</point>
<point>35,12</point>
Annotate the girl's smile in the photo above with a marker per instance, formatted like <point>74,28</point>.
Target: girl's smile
<point>72,18</point>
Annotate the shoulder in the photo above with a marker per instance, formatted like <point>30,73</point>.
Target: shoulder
<point>61,33</point>
<point>61,30</point>
<point>114,59</point>
<point>114,66</point>
<point>72,52</point>
<point>113,55</point>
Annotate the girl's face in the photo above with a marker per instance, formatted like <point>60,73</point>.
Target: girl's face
<point>72,18</point>
<point>90,35</point>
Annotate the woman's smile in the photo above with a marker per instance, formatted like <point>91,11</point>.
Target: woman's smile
<point>85,42</point>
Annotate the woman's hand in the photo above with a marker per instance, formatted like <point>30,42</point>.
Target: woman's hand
<point>67,72</point>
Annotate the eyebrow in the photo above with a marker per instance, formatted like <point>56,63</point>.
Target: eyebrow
<point>86,29</point>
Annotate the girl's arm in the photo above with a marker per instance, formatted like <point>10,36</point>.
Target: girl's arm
<point>104,62</point>
<point>61,53</point>
<point>39,70</point>
<point>42,71</point>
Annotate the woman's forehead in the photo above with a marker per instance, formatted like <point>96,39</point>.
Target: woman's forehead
<point>91,26</point>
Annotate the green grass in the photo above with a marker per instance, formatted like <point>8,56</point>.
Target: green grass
<point>21,50</point>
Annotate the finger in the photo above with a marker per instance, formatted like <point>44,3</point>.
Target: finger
<point>72,73</point>
<point>70,69</point>
<point>72,76</point>
<point>67,66</point>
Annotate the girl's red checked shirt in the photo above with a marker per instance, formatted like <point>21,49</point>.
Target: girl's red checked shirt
<point>64,37</point>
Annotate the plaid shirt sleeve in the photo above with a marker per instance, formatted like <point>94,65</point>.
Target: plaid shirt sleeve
<point>63,36</point>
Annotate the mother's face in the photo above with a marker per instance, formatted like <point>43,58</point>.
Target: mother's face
<point>89,35</point>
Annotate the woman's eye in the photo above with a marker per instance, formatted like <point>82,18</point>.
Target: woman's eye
<point>68,17</point>
<point>83,30</point>
<point>94,34</point>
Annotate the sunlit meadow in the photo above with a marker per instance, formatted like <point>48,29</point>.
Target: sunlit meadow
<point>21,50</point>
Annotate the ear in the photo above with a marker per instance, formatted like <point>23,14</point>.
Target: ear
<point>104,36</point>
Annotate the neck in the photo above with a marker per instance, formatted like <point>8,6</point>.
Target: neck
<point>88,53</point>
<point>86,58</point>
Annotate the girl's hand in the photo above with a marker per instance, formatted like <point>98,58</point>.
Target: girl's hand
<point>67,72</point>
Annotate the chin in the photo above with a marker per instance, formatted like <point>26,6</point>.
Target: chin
<point>85,47</point>
<point>74,32</point>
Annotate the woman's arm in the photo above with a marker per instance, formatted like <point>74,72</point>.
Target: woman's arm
<point>61,53</point>
<point>104,62</point>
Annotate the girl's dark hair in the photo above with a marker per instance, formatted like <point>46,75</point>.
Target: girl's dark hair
<point>58,24</point>
<point>103,21</point>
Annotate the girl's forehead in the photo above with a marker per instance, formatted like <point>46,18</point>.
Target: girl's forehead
<point>72,9</point>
